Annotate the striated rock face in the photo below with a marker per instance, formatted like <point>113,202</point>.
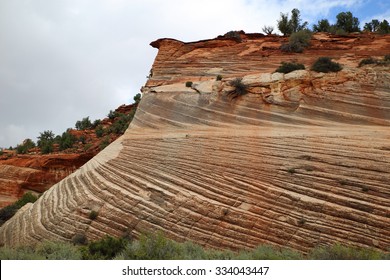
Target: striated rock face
<point>35,173</point>
<point>301,160</point>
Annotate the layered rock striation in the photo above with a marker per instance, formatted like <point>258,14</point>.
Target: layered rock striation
<point>301,160</point>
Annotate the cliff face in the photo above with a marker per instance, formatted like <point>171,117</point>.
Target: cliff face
<point>301,160</point>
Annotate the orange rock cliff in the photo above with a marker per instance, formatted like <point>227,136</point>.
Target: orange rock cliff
<point>301,160</point>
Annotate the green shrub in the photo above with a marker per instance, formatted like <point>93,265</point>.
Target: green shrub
<point>366,61</point>
<point>104,249</point>
<point>84,124</point>
<point>9,211</point>
<point>268,252</point>
<point>235,35</point>
<point>66,141</point>
<point>239,88</point>
<point>189,84</point>
<point>99,131</point>
<point>93,215</point>
<point>112,115</point>
<point>387,57</point>
<point>79,239</point>
<point>50,250</point>
<point>25,146</point>
<point>47,250</point>
<point>297,42</point>
<point>219,77</point>
<point>325,65</point>
<point>45,142</point>
<point>104,143</point>
<point>342,252</point>
<point>288,67</point>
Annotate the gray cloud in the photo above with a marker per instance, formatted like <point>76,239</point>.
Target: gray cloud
<point>62,60</point>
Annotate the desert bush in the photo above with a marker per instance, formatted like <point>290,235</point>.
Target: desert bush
<point>25,146</point>
<point>387,58</point>
<point>325,65</point>
<point>366,61</point>
<point>79,239</point>
<point>93,215</point>
<point>104,249</point>
<point>297,42</point>
<point>47,250</point>
<point>268,252</point>
<point>189,84</point>
<point>112,114</point>
<point>99,131</point>
<point>84,124</point>
<point>288,25</point>
<point>233,35</point>
<point>239,88</point>
<point>66,141</point>
<point>50,250</point>
<point>45,141</point>
<point>9,211</point>
<point>288,67</point>
<point>137,98</point>
<point>342,252</point>
<point>219,78</point>
<point>104,143</point>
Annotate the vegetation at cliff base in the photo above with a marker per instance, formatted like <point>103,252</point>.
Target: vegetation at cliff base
<point>156,246</point>
<point>9,211</point>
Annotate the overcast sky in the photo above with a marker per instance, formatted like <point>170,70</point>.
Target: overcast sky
<point>62,60</point>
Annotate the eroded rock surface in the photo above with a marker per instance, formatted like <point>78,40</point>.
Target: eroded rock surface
<point>301,160</point>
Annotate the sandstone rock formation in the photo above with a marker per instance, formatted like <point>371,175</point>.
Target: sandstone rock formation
<point>301,160</point>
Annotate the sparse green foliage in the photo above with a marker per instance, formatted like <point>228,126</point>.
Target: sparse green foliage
<point>366,61</point>
<point>189,84</point>
<point>288,26</point>
<point>288,67</point>
<point>104,249</point>
<point>325,65</point>
<point>112,115</point>
<point>342,252</point>
<point>66,141</point>
<point>99,131</point>
<point>93,215</point>
<point>46,141</point>
<point>297,41</point>
<point>219,77</point>
<point>384,27</point>
<point>239,88</point>
<point>323,25</point>
<point>104,143</point>
<point>347,22</point>
<point>25,146</point>
<point>371,26</point>
<point>84,124</point>
<point>137,98</point>
<point>79,239</point>
<point>9,211</point>
<point>386,58</point>
<point>234,35</point>
<point>283,24</point>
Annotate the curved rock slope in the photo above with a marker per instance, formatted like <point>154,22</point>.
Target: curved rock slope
<point>301,160</point>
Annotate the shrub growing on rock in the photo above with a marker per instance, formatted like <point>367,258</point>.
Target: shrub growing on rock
<point>189,84</point>
<point>239,88</point>
<point>366,61</point>
<point>325,65</point>
<point>297,41</point>
<point>288,67</point>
